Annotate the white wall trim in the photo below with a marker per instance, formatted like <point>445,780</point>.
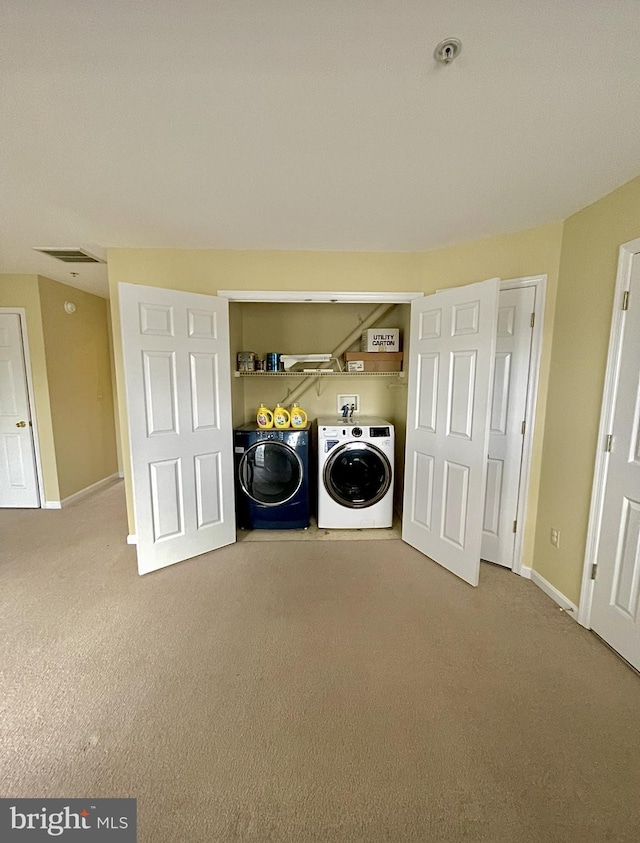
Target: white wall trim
<point>89,489</point>
<point>52,505</point>
<point>552,592</point>
<point>33,417</point>
<point>539,282</point>
<point>287,296</point>
<point>132,538</point>
<point>623,280</point>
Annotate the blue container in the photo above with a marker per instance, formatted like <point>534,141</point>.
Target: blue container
<point>273,359</point>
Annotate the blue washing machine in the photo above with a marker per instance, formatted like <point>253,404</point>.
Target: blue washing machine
<point>271,478</point>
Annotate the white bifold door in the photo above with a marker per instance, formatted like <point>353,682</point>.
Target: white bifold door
<point>18,477</point>
<point>453,342</point>
<point>177,375</point>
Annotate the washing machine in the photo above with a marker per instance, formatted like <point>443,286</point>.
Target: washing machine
<point>271,478</point>
<point>355,473</point>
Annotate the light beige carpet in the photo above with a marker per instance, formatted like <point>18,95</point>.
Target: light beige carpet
<point>311,691</point>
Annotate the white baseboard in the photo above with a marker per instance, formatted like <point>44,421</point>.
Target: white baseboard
<point>557,596</point>
<point>89,489</point>
<point>121,475</point>
<point>526,572</point>
<point>52,505</point>
<point>132,538</point>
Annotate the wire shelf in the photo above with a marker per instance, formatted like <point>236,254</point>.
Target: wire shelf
<point>323,373</point>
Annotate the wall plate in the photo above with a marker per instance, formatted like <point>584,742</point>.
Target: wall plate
<point>347,399</point>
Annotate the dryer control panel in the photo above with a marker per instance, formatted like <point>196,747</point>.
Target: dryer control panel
<point>373,432</point>
<point>271,434</point>
<point>333,432</point>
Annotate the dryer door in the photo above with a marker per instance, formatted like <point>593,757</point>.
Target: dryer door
<point>270,473</point>
<point>357,475</point>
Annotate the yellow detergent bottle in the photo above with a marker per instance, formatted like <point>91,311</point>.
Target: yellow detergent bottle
<point>264,417</point>
<point>298,416</point>
<point>281,418</point>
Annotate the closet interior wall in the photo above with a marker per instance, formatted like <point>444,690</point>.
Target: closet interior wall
<point>236,343</point>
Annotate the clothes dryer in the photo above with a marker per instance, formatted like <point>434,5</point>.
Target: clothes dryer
<point>271,478</point>
<point>355,473</point>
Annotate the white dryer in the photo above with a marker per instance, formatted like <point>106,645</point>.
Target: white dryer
<point>355,473</point>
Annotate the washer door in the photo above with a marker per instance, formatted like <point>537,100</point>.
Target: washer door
<point>270,473</point>
<point>357,475</point>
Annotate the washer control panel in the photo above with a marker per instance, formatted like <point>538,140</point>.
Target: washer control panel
<point>356,431</point>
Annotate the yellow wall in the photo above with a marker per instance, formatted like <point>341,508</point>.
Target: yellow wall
<point>80,389</point>
<point>532,252</point>
<point>22,291</point>
<point>210,270</point>
<point>114,395</point>
<point>583,318</point>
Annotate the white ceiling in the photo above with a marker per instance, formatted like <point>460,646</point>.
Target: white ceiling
<point>306,124</point>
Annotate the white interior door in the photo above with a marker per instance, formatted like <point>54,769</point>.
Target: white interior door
<point>18,477</point>
<point>508,408</point>
<point>615,610</point>
<point>178,385</point>
<point>453,340</point>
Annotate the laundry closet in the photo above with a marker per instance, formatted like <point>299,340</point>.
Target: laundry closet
<point>297,328</point>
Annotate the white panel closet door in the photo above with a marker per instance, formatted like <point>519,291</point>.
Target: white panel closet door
<point>453,339</point>
<point>18,478</point>
<point>508,408</point>
<point>177,374</point>
<point>615,611</point>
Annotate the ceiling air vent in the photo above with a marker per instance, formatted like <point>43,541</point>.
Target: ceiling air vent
<point>69,255</point>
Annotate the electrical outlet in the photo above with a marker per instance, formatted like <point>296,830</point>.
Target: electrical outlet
<point>554,538</point>
<point>348,400</point>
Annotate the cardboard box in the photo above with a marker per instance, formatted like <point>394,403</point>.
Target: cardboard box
<point>380,339</point>
<point>373,361</point>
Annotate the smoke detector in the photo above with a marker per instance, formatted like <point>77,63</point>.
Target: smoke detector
<point>69,254</point>
<point>446,51</point>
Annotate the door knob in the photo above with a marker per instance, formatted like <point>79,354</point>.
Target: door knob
<point>21,424</point>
